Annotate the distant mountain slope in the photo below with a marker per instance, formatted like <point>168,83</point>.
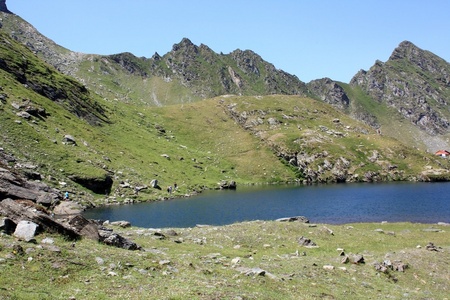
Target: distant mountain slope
<point>43,79</point>
<point>405,97</point>
<point>188,73</point>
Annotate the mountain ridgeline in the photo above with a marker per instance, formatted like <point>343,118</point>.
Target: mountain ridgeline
<point>126,126</point>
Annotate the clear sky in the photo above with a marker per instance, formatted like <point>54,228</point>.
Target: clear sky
<point>311,39</point>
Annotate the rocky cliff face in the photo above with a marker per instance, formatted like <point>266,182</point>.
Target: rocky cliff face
<point>330,92</point>
<point>3,7</point>
<point>62,59</point>
<point>414,82</point>
<point>210,74</point>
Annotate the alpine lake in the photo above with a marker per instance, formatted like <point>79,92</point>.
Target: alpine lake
<point>415,202</point>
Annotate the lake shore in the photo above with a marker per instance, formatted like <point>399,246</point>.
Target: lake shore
<point>245,260</point>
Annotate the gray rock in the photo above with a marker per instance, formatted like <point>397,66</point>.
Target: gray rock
<point>68,208</point>
<point>47,241</point>
<point>154,183</point>
<point>171,232</point>
<point>86,228</point>
<point>17,212</point>
<point>123,224</point>
<point>53,249</point>
<point>113,239</point>
<point>7,225</point>
<point>26,230</point>
<point>358,259</point>
<point>23,114</point>
<point>305,242</point>
<point>255,272</point>
<point>293,219</point>
<point>69,139</point>
<point>99,260</point>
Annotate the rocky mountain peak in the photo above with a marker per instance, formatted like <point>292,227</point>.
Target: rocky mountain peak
<point>405,50</point>
<point>184,44</point>
<point>3,7</point>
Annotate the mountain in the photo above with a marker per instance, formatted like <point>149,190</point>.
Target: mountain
<point>405,97</point>
<point>409,91</point>
<point>188,73</point>
<point>111,138</point>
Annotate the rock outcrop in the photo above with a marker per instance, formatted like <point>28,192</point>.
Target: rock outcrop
<point>330,92</point>
<point>3,7</point>
<point>415,83</point>
<point>16,187</point>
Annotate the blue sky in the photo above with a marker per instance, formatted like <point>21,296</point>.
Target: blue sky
<point>310,39</point>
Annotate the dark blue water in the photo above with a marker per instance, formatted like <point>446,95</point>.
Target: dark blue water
<point>332,204</point>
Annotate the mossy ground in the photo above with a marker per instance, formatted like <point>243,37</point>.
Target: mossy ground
<point>201,263</point>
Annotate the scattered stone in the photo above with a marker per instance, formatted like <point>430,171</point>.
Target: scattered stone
<point>54,249</point>
<point>84,227</point>
<point>387,265</point>
<point>70,140</point>
<point>432,230</point>
<point>328,267</point>
<point>164,262</point>
<point>26,230</point>
<point>358,259</point>
<point>255,272</point>
<point>68,208</point>
<point>30,250</point>
<point>154,183</point>
<point>236,261</point>
<point>432,247</point>
<point>23,114</point>
<point>293,219</point>
<point>47,241</point>
<point>171,232</point>
<point>328,230</point>
<point>123,224</point>
<point>228,185</point>
<point>113,239</point>
<point>345,259</point>
<point>99,260</point>
<point>305,242</point>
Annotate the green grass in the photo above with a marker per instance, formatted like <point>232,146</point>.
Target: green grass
<point>205,270</point>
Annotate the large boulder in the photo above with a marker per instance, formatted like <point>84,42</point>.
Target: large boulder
<point>98,185</point>
<point>67,208</point>
<point>17,212</point>
<point>85,227</point>
<point>16,187</point>
<point>26,230</point>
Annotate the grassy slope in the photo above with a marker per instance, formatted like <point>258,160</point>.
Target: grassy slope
<point>201,266</point>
